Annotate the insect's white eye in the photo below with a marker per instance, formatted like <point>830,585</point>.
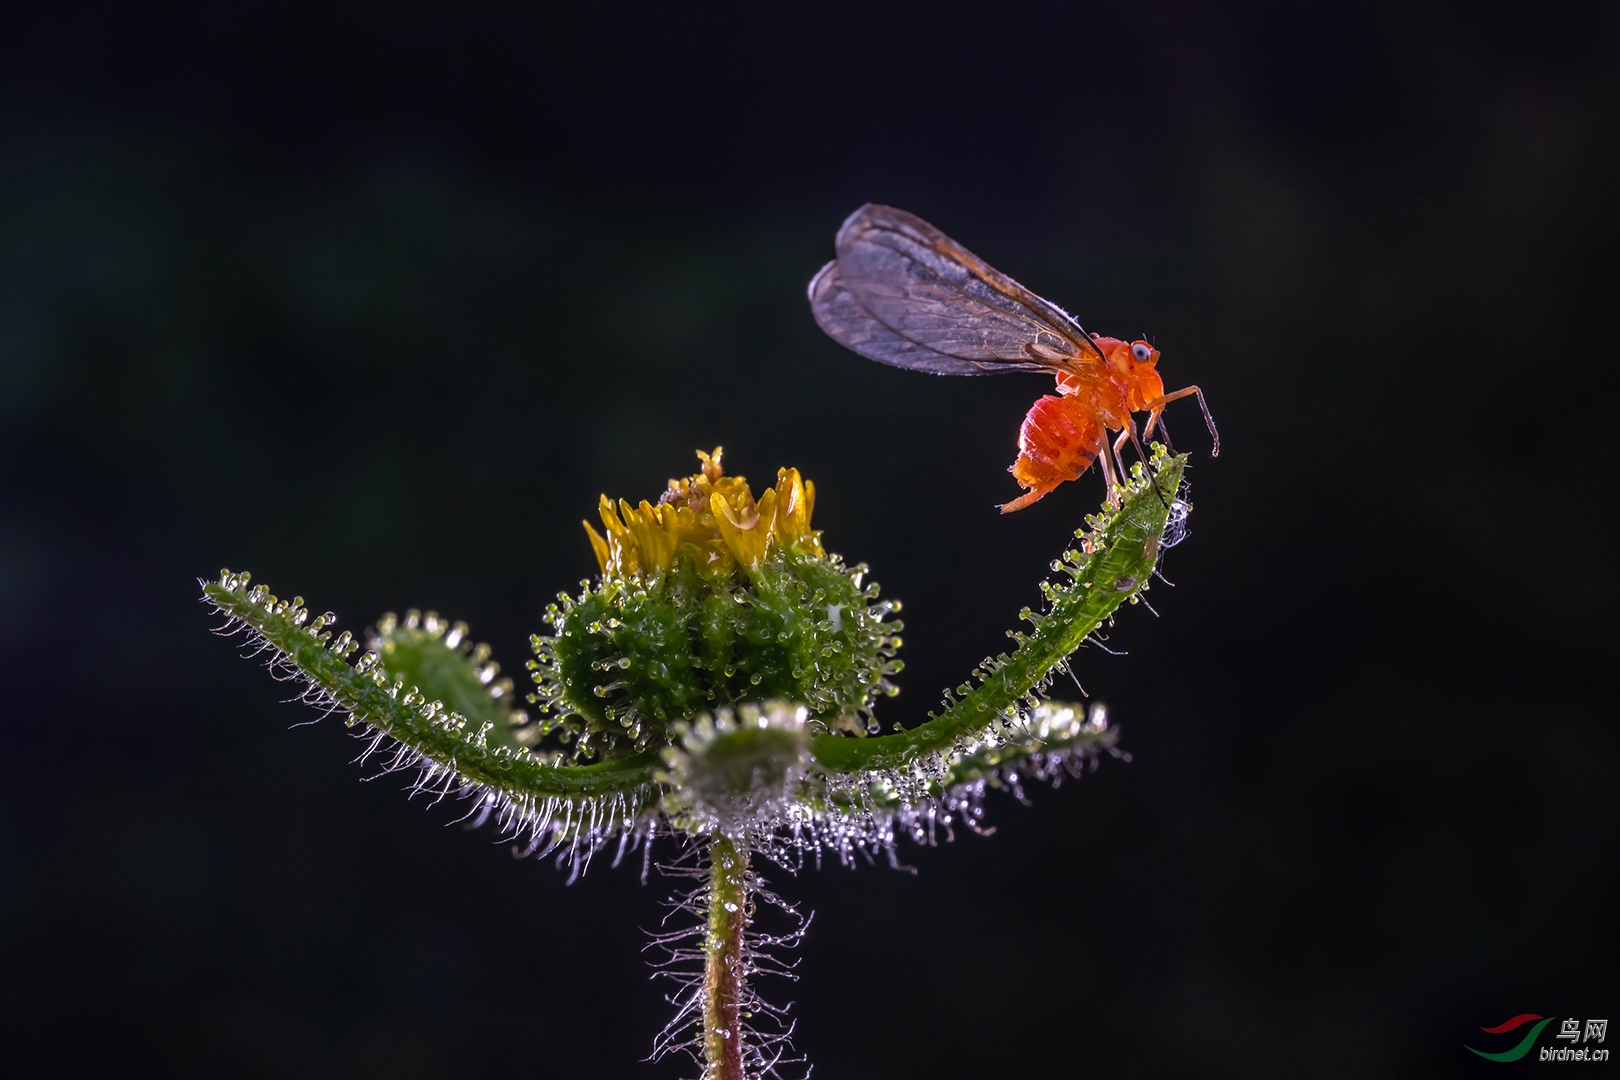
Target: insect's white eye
<point>1141,352</point>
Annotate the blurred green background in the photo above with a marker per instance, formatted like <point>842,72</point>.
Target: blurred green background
<point>376,304</point>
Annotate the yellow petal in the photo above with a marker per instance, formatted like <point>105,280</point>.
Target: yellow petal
<point>610,519</point>
<point>711,464</point>
<point>711,516</point>
<point>767,519</point>
<point>598,545</point>
<point>685,522</point>
<point>792,522</point>
<point>622,554</point>
<point>735,489</point>
<point>741,530</point>
<point>656,544</point>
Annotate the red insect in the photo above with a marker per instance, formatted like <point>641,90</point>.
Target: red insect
<point>903,293</point>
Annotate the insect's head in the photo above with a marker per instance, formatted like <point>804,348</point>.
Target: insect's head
<point>1139,359</point>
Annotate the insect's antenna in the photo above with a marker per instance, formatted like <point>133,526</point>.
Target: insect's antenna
<point>1147,466</point>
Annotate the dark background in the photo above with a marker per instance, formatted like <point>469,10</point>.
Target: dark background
<point>375,305</point>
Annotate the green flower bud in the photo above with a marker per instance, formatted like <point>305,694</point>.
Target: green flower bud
<point>709,600</point>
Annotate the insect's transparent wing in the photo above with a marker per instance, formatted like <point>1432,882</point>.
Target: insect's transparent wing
<point>928,289</point>
<point>852,326</point>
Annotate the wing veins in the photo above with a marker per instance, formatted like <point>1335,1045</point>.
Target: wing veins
<point>839,313</point>
<point>899,241</point>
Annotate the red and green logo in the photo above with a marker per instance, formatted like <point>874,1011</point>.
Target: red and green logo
<point>1509,1025</point>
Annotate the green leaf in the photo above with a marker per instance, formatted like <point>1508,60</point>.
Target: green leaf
<point>1124,547</point>
<point>439,660</point>
<point>427,727</point>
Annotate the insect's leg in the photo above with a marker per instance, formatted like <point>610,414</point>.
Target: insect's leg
<point>1119,459</point>
<point>1112,449</point>
<point>1147,465</point>
<point>1160,402</point>
<point>1157,417</point>
<point>1107,461</point>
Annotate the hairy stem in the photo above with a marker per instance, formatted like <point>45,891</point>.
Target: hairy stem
<point>1124,555</point>
<point>723,961</point>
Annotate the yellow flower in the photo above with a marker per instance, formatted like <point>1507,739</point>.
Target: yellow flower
<point>711,516</point>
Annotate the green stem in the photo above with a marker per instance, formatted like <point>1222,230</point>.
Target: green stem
<point>723,961</point>
<point>1125,554</point>
<point>440,737</point>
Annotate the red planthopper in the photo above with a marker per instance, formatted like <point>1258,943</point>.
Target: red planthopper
<point>903,293</point>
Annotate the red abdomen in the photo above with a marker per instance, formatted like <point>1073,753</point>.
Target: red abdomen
<point>1058,441</point>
